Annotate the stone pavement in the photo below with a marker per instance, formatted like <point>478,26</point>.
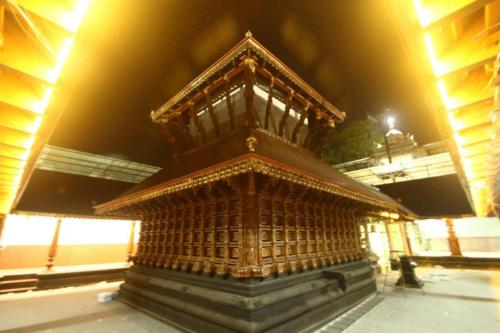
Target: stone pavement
<point>453,301</point>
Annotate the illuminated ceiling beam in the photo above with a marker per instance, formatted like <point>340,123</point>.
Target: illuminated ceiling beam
<point>58,12</point>
<point>459,40</point>
<point>22,54</point>
<point>35,39</point>
<point>466,92</point>
<point>478,114</point>
<point>468,52</point>
<point>438,12</point>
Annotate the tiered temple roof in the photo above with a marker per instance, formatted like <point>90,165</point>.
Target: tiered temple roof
<point>249,113</point>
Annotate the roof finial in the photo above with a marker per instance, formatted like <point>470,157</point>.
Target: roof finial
<point>248,34</point>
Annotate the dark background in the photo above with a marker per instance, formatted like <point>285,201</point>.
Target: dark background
<point>146,51</point>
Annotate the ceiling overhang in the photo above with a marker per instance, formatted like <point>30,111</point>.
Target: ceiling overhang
<point>36,38</point>
<point>453,46</point>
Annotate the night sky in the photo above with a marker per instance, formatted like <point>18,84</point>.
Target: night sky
<point>142,53</point>
<point>347,50</point>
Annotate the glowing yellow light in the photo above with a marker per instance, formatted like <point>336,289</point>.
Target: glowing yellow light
<point>424,15</point>
<point>461,151</point>
<point>61,59</point>
<point>455,124</point>
<point>73,19</point>
<point>89,231</point>
<point>41,230</point>
<point>439,67</point>
<point>468,171</point>
<point>18,178</point>
<point>479,184</point>
<point>27,146</point>
<point>448,102</point>
<point>41,104</point>
<point>33,128</point>
<point>466,164</point>
<point>458,139</point>
<point>73,230</point>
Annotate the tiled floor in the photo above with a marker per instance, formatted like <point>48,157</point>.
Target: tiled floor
<point>453,301</point>
<point>350,317</point>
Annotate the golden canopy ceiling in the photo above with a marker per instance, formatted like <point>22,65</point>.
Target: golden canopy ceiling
<point>453,46</point>
<point>36,37</point>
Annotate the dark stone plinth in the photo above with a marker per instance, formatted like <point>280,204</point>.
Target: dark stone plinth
<point>297,302</point>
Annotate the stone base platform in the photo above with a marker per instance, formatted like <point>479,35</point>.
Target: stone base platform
<point>297,302</point>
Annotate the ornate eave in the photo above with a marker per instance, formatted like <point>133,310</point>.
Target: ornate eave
<point>248,44</point>
<point>248,163</point>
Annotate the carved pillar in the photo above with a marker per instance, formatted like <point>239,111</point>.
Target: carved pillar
<point>452,239</point>
<point>284,118</point>
<point>197,123</point>
<point>390,239</point>
<point>211,113</point>
<point>300,123</point>
<point>229,104</point>
<point>269,106</point>
<point>249,77</point>
<point>406,240</point>
<point>251,238</point>
<point>53,246</point>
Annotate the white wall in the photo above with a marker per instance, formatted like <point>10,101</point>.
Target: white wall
<point>475,235</point>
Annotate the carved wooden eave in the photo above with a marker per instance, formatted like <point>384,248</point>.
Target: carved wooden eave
<point>233,62</point>
<point>248,163</point>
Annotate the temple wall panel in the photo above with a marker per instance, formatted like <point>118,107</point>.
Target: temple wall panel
<point>249,226</point>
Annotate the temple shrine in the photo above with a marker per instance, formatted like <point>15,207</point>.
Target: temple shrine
<point>246,229</point>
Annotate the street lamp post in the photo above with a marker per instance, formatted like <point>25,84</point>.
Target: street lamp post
<point>390,121</point>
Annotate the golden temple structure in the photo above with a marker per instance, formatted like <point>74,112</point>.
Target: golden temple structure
<point>246,197</point>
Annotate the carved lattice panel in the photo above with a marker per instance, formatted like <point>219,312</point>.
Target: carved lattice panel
<point>211,229</point>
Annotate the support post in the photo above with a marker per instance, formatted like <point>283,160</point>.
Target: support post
<point>53,246</point>
<point>197,123</point>
<point>211,113</point>
<point>229,104</point>
<point>452,239</point>
<point>130,248</point>
<point>389,238</point>
<point>249,77</point>
<point>300,123</point>
<point>269,106</point>
<point>284,118</point>
<point>388,149</point>
<point>406,238</point>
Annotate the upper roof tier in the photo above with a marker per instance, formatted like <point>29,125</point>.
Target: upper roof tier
<point>266,64</point>
<point>247,87</point>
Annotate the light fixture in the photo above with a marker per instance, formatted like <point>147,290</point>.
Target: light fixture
<point>391,120</point>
